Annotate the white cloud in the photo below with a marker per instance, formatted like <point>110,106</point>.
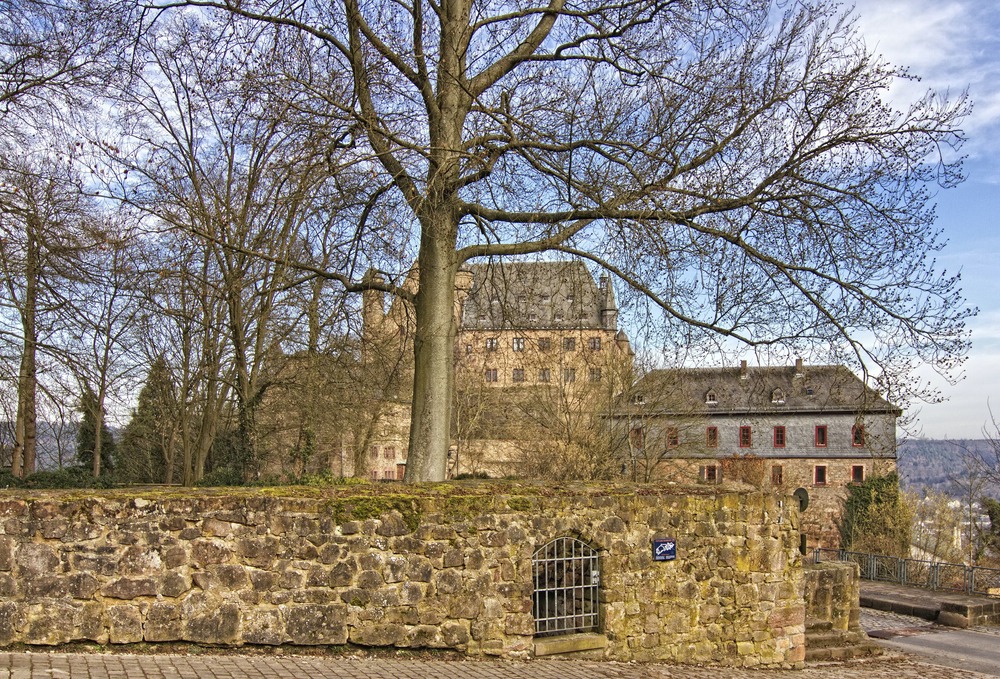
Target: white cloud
<point>950,46</point>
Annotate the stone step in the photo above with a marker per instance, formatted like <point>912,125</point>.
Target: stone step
<point>835,639</point>
<point>863,650</point>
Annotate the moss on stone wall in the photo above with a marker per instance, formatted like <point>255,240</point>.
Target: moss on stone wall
<point>435,566</point>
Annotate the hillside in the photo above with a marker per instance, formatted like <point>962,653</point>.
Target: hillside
<point>938,463</point>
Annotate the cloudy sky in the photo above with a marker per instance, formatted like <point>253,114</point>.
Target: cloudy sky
<point>953,45</point>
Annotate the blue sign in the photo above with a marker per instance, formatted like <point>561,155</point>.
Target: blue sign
<point>664,549</point>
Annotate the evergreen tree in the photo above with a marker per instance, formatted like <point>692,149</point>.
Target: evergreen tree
<point>86,436</point>
<point>146,452</point>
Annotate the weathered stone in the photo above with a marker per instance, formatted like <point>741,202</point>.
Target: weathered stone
<point>393,525</point>
<point>231,576</point>
<point>455,634</point>
<point>163,623</point>
<point>174,584</point>
<point>81,585</point>
<point>207,551</point>
<point>378,635</point>
<point>370,580</point>
<point>343,573</point>
<point>448,582</point>
<point>129,588</point>
<point>316,624</point>
<point>7,546</point>
<point>211,625</point>
<point>11,620</point>
<point>34,560</point>
<point>264,626</point>
<point>419,569</point>
<point>48,624</point>
<point>124,625</point>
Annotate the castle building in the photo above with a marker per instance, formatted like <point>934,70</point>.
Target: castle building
<point>808,430</point>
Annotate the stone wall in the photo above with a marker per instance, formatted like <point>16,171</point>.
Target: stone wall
<point>443,567</point>
<point>832,594</point>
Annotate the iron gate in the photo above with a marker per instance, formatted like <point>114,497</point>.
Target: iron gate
<point>567,578</point>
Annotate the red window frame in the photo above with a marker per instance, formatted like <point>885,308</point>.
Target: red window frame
<point>779,437</point>
<point>712,437</point>
<point>821,436</point>
<point>777,475</point>
<point>817,481</point>
<point>673,437</point>
<point>857,473</point>
<point>858,436</point>
<point>746,436</point>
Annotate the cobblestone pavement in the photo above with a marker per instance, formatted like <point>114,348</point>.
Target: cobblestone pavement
<point>119,666</point>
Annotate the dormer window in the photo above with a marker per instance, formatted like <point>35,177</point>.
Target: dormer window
<point>638,400</point>
<point>778,396</point>
<point>710,398</point>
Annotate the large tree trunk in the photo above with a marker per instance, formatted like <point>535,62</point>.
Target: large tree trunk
<point>433,353</point>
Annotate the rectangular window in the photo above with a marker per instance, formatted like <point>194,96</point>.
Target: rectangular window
<point>595,374</point>
<point>710,473</point>
<point>544,375</point>
<point>517,375</point>
<point>389,475</point>
<point>544,344</point>
<point>777,475</point>
<point>712,437</point>
<point>821,436</point>
<point>857,473</point>
<point>374,474</point>
<point>569,374</point>
<point>569,344</point>
<point>492,344</point>
<point>595,343</point>
<point>491,374</point>
<point>779,437</point>
<point>468,349</point>
<point>518,344</point>
<point>389,453</point>
<point>746,436</point>
<point>637,437</point>
<point>819,475</point>
<point>374,452</point>
<point>858,436</point>
<point>673,437</point>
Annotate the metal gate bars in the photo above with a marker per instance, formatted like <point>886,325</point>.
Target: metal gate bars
<point>567,578</point>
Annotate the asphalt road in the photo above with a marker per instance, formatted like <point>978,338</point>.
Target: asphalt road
<point>976,650</point>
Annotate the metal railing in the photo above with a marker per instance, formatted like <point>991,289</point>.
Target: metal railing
<point>954,577</point>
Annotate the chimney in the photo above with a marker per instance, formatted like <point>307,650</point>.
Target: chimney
<point>743,369</point>
<point>798,366</point>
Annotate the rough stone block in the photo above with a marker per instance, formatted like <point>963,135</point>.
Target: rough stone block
<point>316,624</point>
<point>129,588</point>
<point>265,626</point>
<point>124,625</point>
<point>163,623</point>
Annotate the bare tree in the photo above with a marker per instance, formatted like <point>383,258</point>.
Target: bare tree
<point>738,167</point>
<point>43,211</point>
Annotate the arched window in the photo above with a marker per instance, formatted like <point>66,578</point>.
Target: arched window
<point>777,396</point>
<point>566,597</point>
<point>710,398</point>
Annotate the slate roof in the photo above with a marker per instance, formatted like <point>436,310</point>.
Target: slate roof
<point>558,295</point>
<point>739,391</point>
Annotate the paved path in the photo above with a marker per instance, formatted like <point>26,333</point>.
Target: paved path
<point>119,666</point>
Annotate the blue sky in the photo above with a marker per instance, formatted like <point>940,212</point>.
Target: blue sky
<point>953,45</point>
